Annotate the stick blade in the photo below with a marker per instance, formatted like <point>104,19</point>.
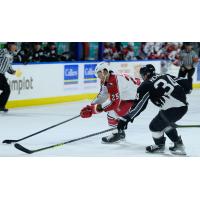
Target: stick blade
<point>9,141</point>
<point>21,148</point>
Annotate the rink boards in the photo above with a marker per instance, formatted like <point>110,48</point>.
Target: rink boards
<point>50,83</point>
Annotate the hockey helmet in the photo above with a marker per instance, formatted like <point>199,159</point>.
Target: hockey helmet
<point>101,66</point>
<point>148,70</point>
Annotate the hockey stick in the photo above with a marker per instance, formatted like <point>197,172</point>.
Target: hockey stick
<point>21,148</point>
<point>11,141</point>
<point>176,125</point>
<point>186,126</point>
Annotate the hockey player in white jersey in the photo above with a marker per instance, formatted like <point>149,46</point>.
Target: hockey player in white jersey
<point>116,97</point>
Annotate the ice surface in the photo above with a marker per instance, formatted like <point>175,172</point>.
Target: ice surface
<point>20,122</point>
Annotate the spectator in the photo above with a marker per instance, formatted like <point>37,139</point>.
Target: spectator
<point>51,52</point>
<point>25,54</point>
<point>162,52</point>
<point>128,52</point>
<point>86,50</point>
<point>72,50</point>
<point>158,46</point>
<point>118,51</point>
<point>142,55</point>
<point>108,53</point>
<point>38,52</point>
<point>148,48</point>
<point>196,47</point>
<point>173,55</point>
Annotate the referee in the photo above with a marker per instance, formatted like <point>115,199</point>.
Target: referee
<point>188,60</point>
<point>6,59</point>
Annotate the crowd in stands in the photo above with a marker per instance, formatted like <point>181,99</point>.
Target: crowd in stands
<point>37,52</point>
<point>48,51</point>
<point>146,50</point>
<point>30,52</point>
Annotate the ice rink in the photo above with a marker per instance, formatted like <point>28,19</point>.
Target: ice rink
<point>20,122</point>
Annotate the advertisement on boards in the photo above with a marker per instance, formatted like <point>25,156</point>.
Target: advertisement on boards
<point>71,74</point>
<point>89,73</point>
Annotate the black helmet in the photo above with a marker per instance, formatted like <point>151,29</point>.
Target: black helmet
<point>148,70</point>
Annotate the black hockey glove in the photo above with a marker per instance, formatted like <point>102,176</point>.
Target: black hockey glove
<point>123,123</point>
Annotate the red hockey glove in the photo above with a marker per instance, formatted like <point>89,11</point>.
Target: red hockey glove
<point>87,111</point>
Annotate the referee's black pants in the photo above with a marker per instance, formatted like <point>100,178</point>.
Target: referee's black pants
<point>4,90</point>
<point>182,73</point>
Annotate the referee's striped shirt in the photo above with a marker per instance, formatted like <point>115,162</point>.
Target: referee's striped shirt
<point>187,57</point>
<point>6,60</point>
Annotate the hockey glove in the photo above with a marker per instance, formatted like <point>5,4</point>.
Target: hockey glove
<point>123,123</point>
<point>87,111</point>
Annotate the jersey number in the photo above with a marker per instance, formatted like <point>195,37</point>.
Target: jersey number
<point>115,97</point>
<point>168,87</point>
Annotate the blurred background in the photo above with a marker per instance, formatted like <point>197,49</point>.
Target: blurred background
<point>29,52</point>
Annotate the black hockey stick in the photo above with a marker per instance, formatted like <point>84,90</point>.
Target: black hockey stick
<point>176,125</point>
<point>12,141</point>
<point>21,148</point>
<point>186,126</point>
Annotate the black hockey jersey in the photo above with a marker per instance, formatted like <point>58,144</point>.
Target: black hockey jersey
<point>164,91</point>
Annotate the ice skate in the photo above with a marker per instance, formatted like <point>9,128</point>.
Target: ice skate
<point>178,148</point>
<point>155,149</point>
<point>158,147</point>
<point>3,109</point>
<point>115,137</point>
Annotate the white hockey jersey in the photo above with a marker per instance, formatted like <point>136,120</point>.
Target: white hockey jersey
<point>119,87</point>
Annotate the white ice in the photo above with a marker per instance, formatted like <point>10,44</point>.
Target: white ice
<point>20,122</point>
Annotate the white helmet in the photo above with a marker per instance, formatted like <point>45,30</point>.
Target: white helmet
<point>101,66</point>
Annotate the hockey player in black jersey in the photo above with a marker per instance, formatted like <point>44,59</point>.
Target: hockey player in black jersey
<point>166,92</point>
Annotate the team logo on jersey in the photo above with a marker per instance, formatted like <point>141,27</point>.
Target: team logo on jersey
<point>89,73</point>
<point>70,74</point>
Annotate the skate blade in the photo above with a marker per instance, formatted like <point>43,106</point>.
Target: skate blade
<point>117,142</point>
<point>165,154</point>
<point>178,153</point>
<point>157,152</point>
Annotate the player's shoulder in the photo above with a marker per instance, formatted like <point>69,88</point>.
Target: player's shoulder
<point>168,75</point>
<point>112,77</point>
<point>3,52</point>
<point>112,81</point>
<point>155,78</point>
<point>145,85</point>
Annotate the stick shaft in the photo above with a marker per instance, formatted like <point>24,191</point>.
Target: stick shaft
<point>187,126</point>
<point>20,147</point>
<point>50,127</point>
<point>43,130</point>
